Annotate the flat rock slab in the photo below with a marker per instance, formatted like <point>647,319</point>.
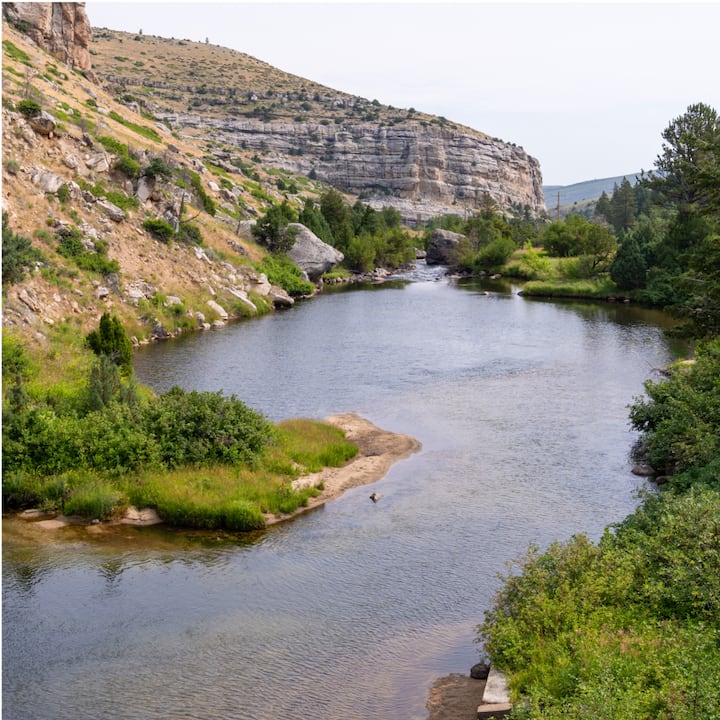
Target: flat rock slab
<point>493,710</point>
<point>496,688</point>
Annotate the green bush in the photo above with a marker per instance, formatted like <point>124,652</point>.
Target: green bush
<point>628,628</point>
<point>157,167</point>
<point>160,228</point>
<point>680,419</point>
<point>111,340</point>
<point>18,254</point>
<point>128,166</point>
<point>281,271</point>
<point>205,428</point>
<point>29,108</point>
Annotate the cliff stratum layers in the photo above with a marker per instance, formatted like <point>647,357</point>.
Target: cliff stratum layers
<point>63,29</point>
<point>423,171</point>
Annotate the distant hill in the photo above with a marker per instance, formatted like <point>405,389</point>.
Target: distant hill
<point>581,193</point>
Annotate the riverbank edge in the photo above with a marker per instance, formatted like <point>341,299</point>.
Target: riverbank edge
<point>378,451</point>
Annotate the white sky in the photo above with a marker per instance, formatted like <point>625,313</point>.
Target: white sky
<point>587,88</point>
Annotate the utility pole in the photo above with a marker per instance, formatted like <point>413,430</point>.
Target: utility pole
<point>558,207</point>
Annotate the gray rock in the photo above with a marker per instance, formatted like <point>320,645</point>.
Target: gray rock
<point>643,470</point>
<point>279,297</point>
<point>310,253</point>
<point>219,309</point>
<point>47,181</point>
<point>145,188</point>
<point>115,213</point>
<point>443,248</point>
<point>71,161</point>
<point>43,124</point>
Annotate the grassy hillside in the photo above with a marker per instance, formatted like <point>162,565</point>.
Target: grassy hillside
<point>181,76</point>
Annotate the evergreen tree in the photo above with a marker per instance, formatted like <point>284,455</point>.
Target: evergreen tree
<point>603,208</point>
<point>689,166</point>
<point>110,339</point>
<point>628,270</point>
<point>623,206</point>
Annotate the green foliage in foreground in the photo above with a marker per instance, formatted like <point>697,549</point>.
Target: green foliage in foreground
<point>680,419</point>
<point>627,628</point>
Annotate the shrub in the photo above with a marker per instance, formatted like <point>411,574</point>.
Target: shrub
<point>190,234</point>
<point>282,271</point>
<point>203,428</point>
<point>18,254</point>
<point>128,166</point>
<point>29,108</point>
<point>63,193</point>
<point>160,228</point>
<point>110,339</point>
<point>157,166</point>
<point>12,166</point>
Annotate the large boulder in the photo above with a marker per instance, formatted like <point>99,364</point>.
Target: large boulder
<point>444,248</point>
<point>310,253</point>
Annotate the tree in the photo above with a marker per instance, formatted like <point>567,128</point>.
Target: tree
<point>688,168</point>
<point>623,206</point>
<point>269,229</point>
<point>628,270</point>
<point>338,217</point>
<point>111,339</point>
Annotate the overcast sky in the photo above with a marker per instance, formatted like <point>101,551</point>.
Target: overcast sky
<point>587,88</point>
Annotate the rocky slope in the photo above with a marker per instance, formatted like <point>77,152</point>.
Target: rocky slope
<point>63,29</point>
<point>62,185</point>
<point>420,164</point>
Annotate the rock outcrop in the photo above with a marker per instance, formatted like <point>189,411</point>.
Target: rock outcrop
<point>310,253</point>
<point>61,28</point>
<point>443,248</point>
<point>422,170</point>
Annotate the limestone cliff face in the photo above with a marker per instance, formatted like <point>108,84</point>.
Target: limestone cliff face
<point>63,29</point>
<point>422,170</point>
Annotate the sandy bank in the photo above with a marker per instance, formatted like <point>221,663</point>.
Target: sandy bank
<point>378,449</point>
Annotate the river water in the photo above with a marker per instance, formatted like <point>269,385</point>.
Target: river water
<point>352,610</point>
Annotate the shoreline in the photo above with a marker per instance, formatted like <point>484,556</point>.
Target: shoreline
<point>378,450</point>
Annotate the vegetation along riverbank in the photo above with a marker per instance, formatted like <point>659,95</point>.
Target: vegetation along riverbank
<point>629,627</point>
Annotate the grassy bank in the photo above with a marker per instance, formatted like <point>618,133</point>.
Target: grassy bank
<point>85,439</point>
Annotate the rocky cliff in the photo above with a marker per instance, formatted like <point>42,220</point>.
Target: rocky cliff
<point>422,170</point>
<point>63,29</point>
<point>421,164</point>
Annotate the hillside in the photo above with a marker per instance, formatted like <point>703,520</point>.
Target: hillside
<point>71,186</point>
<point>579,197</point>
<point>156,131</point>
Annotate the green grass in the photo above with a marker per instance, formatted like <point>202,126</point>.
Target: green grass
<point>593,289</point>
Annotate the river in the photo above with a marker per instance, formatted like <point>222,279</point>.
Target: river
<point>352,610</point>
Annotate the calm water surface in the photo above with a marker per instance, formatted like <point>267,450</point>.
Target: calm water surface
<point>350,611</point>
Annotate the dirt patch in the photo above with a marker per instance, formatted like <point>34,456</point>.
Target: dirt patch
<point>455,697</point>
